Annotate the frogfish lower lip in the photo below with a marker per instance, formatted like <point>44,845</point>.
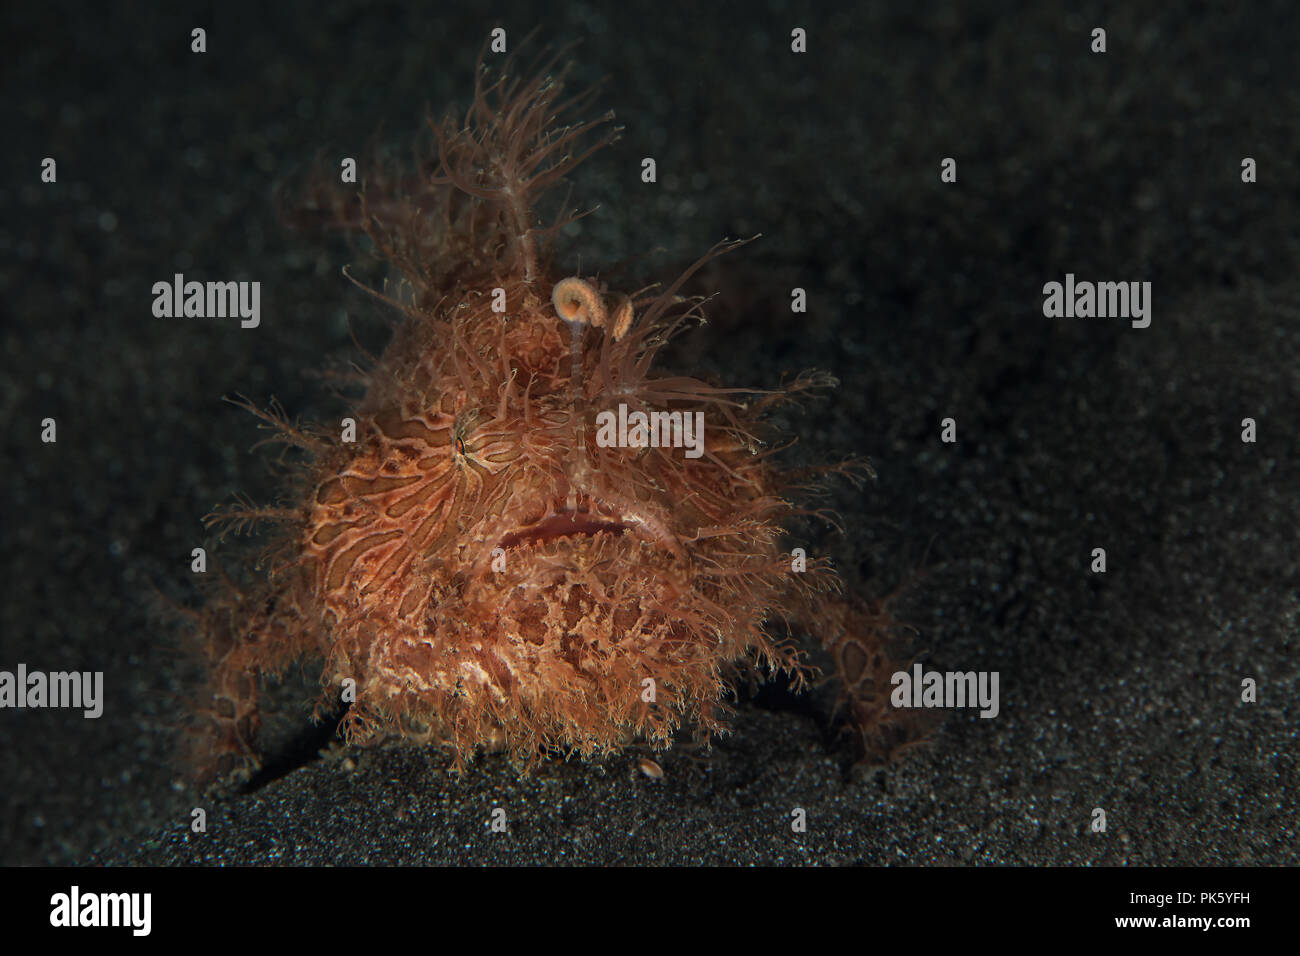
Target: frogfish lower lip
<point>563,524</point>
<point>588,517</point>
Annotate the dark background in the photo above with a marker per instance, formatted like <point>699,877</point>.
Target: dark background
<point>1118,691</point>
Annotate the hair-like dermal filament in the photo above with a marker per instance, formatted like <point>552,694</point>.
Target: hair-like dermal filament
<point>514,143</point>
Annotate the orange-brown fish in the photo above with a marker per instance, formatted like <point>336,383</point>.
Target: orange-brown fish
<point>534,541</point>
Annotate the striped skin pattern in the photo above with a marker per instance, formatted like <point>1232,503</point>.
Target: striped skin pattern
<point>475,566</point>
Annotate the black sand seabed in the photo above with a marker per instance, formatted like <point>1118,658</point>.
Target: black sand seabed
<point>1118,691</point>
